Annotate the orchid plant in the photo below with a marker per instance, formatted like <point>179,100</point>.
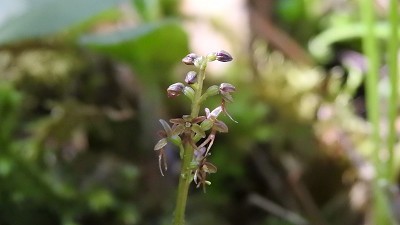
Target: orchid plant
<point>194,135</point>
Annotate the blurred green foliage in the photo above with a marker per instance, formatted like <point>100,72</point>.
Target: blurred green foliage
<point>70,137</point>
<point>82,86</point>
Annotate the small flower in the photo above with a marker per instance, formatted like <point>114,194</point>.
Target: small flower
<point>191,77</point>
<point>187,124</point>
<point>225,89</point>
<point>189,59</point>
<point>213,114</point>
<point>160,148</point>
<point>175,90</point>
<point>223,56</point>
<point>204,168</point>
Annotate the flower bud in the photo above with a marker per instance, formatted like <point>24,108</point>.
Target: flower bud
<point>189,59</point>
<point>223,56</point>
<point>191,77</point>
<point>226,88</point>
<point>175,90</point>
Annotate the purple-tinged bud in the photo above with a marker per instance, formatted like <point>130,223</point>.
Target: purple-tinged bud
<point>223,56</point>
<point>189,59</point>
<point>226,88</point>
<point>191,77</point>
<point>175,90</point>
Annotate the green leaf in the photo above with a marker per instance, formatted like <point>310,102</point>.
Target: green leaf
<point>37,18</point>
<point>152,49</point>
<point>100,200</point>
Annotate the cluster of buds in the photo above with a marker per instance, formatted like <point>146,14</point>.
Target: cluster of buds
<point>198,132</point>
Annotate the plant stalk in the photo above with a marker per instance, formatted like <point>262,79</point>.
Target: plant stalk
<point>393,48</point>
<point>370,48</point>
<point>186,173</point>
<point>379,209</point>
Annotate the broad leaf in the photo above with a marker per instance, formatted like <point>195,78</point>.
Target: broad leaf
<point>25,19</point>
<point>152,49</point>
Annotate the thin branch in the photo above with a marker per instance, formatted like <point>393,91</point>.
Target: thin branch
<point>277,210</point>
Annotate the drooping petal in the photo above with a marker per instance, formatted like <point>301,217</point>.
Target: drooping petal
<point>220,126</point>
<point>166,126</point>
<point>198,119</point>
<point>209,167</point>
<point>177,121</point>
<point>178,130</point>
<point>160,144</point>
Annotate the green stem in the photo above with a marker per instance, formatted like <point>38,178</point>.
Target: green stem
<point>183,187</point>
<point>372,98</point>
<point>186,173</point>
<point>393,47</point>
<point>380,212</point>
<point>197,97</point>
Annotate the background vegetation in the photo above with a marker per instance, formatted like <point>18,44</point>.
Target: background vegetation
<point>83,84</point>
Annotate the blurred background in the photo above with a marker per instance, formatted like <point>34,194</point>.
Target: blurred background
<point>83,84</point>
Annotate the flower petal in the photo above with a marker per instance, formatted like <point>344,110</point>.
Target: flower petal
<point>178,130</point>
<point>161,144</point>
<point>220,126</point>
<point>166,126</point>
<point>209,168</point>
